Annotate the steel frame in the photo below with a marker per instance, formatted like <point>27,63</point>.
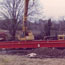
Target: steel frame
<point>32,44</point>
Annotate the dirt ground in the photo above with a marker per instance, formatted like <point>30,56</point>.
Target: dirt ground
<point>22,60</point>
<point>45,56</point>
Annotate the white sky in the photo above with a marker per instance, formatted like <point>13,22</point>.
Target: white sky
<point>53,8</point>
<point>1,0</point>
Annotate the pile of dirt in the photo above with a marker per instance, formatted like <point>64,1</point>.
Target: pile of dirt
<point>49,52</point>
<point>40,52</point>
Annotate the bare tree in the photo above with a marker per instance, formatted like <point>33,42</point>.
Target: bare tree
<point>13,11</point>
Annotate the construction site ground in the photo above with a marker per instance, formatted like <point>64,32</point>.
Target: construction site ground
<point>44,56</point>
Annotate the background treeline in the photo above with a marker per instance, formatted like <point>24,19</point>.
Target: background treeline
<point>39,28</point>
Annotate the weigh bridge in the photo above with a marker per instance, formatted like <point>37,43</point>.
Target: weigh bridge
<point>32,44</point>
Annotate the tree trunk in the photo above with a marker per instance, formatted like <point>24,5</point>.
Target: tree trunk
<point>13,32</point>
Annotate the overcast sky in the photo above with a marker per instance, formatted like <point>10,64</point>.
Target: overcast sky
<point>53,8</point>
<point>1,0</point>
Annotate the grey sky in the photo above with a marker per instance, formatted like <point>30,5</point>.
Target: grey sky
<point>53,8</point>
<point>1,0</point>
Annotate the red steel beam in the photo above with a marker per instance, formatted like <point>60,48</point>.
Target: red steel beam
<point>32,44</point>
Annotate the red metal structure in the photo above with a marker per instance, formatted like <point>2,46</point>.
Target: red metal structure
<point>32,44</point>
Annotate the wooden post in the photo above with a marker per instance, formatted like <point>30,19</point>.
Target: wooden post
<point>25,17</point>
